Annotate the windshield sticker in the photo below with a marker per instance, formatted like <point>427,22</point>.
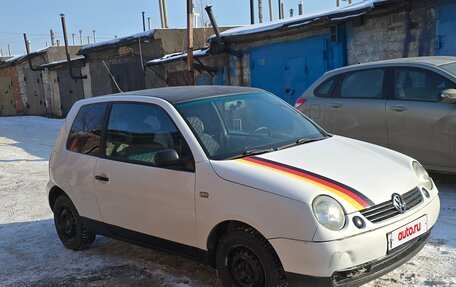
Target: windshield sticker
<point>354,197</point>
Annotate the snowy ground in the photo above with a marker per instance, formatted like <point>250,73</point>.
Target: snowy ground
<point>31,254</point>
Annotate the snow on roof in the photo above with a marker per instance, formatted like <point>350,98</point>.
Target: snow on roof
<point>177,57</point>
<point>116,41</point>
<point>20,58</point>
<point>57,63</point>
<point>340,13</point>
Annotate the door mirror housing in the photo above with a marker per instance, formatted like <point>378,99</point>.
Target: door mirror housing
<point>449,96</point>
<point>167,157</point>
<point>170,158</point>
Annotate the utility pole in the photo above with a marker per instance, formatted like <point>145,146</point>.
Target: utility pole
<point>190,41</point>
<point>94,36</point>
<point>260,11</point>
<point>252,12</point>
<point>270,10</point>
<point>144,20</point>
<point>80,36</point>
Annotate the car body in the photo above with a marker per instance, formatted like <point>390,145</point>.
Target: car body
<point>237,178</point>
<point>407,105</point>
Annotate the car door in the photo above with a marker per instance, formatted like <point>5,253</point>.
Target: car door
<point>135,197</point>
<point>419,123</point>
<point>357,109</point>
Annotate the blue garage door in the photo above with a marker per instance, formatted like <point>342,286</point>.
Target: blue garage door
<point>445,25</point>
<point>287,69</point>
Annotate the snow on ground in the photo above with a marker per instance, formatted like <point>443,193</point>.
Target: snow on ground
<point>32,255</point>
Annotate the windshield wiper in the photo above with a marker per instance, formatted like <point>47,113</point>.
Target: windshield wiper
<point>253,152</point>
<point>300,142</point>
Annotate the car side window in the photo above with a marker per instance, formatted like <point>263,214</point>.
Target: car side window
<point>136,132</point>
<point>363,84</point>
<point>324,90</point>
<point>85,134</point>
<point>419,85</point>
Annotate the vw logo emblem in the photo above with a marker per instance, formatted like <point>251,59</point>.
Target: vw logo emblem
<point>399,203</point>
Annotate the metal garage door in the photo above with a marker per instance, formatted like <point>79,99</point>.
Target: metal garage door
<point>287,69</point>
<point>7,104</point>
<point>445,24</point>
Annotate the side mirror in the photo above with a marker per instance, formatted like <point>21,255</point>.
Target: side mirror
<point>167,157</point>
<point>449,96</point>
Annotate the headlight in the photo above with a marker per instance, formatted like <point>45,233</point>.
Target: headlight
<point>329,212</point>
<point>422,175</point>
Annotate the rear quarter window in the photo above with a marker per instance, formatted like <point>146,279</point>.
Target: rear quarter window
<point>85,134</point>
<point>325,89</point>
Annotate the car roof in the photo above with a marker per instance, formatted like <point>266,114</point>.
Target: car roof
<point>181,94</point>
<point>432,61</point>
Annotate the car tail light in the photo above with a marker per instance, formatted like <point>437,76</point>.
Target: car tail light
<point>299,102</point>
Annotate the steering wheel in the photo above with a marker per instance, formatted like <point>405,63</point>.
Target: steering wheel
<point>256,131</point>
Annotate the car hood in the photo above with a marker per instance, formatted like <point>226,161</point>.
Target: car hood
<point>356,173</point>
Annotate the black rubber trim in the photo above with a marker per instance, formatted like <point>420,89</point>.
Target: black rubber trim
<point>145,240</point>
<point>300,280</point>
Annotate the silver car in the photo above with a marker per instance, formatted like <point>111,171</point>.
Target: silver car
<point>408,105</point>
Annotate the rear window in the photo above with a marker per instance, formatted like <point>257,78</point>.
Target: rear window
<point>85,133</point>
<point>324,90</point>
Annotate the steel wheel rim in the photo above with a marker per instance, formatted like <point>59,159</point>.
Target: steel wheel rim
<point>67,222</point>
<point>244,268</point>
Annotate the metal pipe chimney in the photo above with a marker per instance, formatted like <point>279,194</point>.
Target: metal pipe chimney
<point>291,13</point>
<point>282,11</point>
<point>337,3</point>
<point>279,8</point>
<point>162,22</point>
<point>270,10</point>
<point>27,49</point>
<point>52,37</point>
<point>80,37</point>
<point>252,12</point>
<point>73,38</point>
<point>149,22</point>
<point>214,24</point>
<point>144,20</point>
<point>300,8</point>
<point>260,11</point>
<point>190,41</point>
<point>9,50</point>
<point>165,14</point>
<point>67,51</point>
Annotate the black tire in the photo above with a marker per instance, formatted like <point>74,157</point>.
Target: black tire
<point>69,226</point>
<point>244,258</point>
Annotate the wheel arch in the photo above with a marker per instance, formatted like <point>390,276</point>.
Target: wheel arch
<point>219,230</point>
<point>54,193</point>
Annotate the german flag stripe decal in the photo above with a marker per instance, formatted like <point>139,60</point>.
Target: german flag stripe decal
<point>354,197</point>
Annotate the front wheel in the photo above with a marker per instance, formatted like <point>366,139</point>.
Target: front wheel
<point>245,259</point>
<point>69,226</point>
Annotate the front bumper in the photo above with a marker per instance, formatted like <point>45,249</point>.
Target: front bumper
<point>366,272</point>
<point>340,262</point>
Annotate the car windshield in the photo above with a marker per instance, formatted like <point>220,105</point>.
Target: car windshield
<point>234,126</point>
<point>450,68</point>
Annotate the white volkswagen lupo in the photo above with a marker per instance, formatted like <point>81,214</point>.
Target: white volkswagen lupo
<point>240,180</point>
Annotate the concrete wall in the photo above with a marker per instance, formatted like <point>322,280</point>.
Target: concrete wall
<point>402,30</point>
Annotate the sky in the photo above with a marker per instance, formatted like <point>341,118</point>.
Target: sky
<point>118,18</point>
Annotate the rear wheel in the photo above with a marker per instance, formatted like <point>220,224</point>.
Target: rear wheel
<point>69,226</point>
<point>245,259</point>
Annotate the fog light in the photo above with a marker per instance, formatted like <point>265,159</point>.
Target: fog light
<point>358,222</point>
<point>426,192</point>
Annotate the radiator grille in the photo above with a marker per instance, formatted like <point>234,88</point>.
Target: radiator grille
<point>386,210</point>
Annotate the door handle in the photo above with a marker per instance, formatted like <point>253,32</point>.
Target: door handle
<point>335,105</point>
<point>101,178</point>
<point>398,108</point>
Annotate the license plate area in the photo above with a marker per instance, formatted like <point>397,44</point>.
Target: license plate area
<point>407,232</point>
